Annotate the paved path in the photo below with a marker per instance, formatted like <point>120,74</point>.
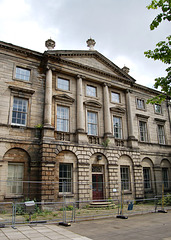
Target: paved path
<point>39,232</point>
<point>154,226</point>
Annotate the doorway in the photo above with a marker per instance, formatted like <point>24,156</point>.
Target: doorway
<point>97,183</point>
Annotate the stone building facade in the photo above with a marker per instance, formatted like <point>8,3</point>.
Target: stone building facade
<point>74,123</point>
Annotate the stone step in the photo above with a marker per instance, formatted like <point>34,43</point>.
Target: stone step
<point>101,204</point>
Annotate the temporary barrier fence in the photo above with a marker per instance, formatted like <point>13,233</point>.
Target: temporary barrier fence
<point>70,209</point>
<point>63,212</point>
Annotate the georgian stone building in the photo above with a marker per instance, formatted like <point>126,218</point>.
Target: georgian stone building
<point>80,125</point>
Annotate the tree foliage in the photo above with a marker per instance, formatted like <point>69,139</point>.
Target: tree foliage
<point>162,51</point>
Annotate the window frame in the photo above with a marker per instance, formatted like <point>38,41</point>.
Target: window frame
<point>65,80</point>
<point>140,106</point>
<point>119,97</point>
<point>65,119</point>
<point>69,188</point>
<point>165,182</point>
<point>147,180</point>
<point>24,67</point>
<point>13,182</point>
<point>156,107</point>
<point>125,183</point>
<point>92,124</point>
<point>161,136</point>
<point>120,128</point>
<point>20,112</point>
<point>93,87</point>
<point>145,133</point>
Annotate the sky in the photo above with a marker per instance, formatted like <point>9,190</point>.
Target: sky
<point>119,27</point>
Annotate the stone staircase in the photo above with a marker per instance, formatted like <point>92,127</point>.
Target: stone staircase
<point>101,204</point>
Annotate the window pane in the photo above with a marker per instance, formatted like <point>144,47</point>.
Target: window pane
<point>117,126</point>
<point>92,123</point>
<point>143,131</point>
<point>161,135</point>
<point>147,178</point>
<point>15,178</point>
<point>91,91</point>
<point>19,112</point>
<point>125,179</point>
<point>157,108</point>
<point>165,177</point>
<point>23,74</point>
<point>115,97</point>
<point>65,177</point>
<point>140,104</point>
<point>63,84</point>
<point>62,119</point>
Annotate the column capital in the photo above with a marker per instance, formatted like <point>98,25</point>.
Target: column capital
<point>107,84</point>
<point>128,91</point>
<point>80,76</point>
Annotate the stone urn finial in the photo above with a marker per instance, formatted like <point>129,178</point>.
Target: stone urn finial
<point>126,69</point>
<point>50,44</point>
<point>91,43</point>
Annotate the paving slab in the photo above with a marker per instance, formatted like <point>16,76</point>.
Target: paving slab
<point>39,232</point>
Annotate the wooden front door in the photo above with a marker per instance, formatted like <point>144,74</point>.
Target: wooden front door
<point>97,182</point>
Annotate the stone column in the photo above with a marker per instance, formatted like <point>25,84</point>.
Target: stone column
<point>48,98</point>
<point>48,105</point>
<point>81,135</point>
<point>107,119</point>
<point>80,122</point>
<point>132,141</point>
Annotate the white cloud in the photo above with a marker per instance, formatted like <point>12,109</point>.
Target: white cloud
<point>120,28</point>
<point>11,10</point>
<point>17,26</point>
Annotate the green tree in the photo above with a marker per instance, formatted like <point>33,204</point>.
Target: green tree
<point>162,51</point>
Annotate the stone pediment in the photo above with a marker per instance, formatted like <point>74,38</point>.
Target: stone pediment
<point>118,109</point>
<point>94,63</point>
<point>91,60</point>
<point>142,116</point>
<point>93,103</point>
<point>17,89</point>
<point>64,98</point>
<point>159,120</point>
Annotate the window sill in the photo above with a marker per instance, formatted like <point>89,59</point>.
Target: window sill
<point>144,142</point>
<point>148,190</point>
<point>63,90</point>
<point>66,195</point>
<point>127,192</point>
<point>22,80</point>
<point>14,196</point>
<point>18,126</point>
<point>141,109</point>
<point>93,97</point>
<point>158,113</point>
